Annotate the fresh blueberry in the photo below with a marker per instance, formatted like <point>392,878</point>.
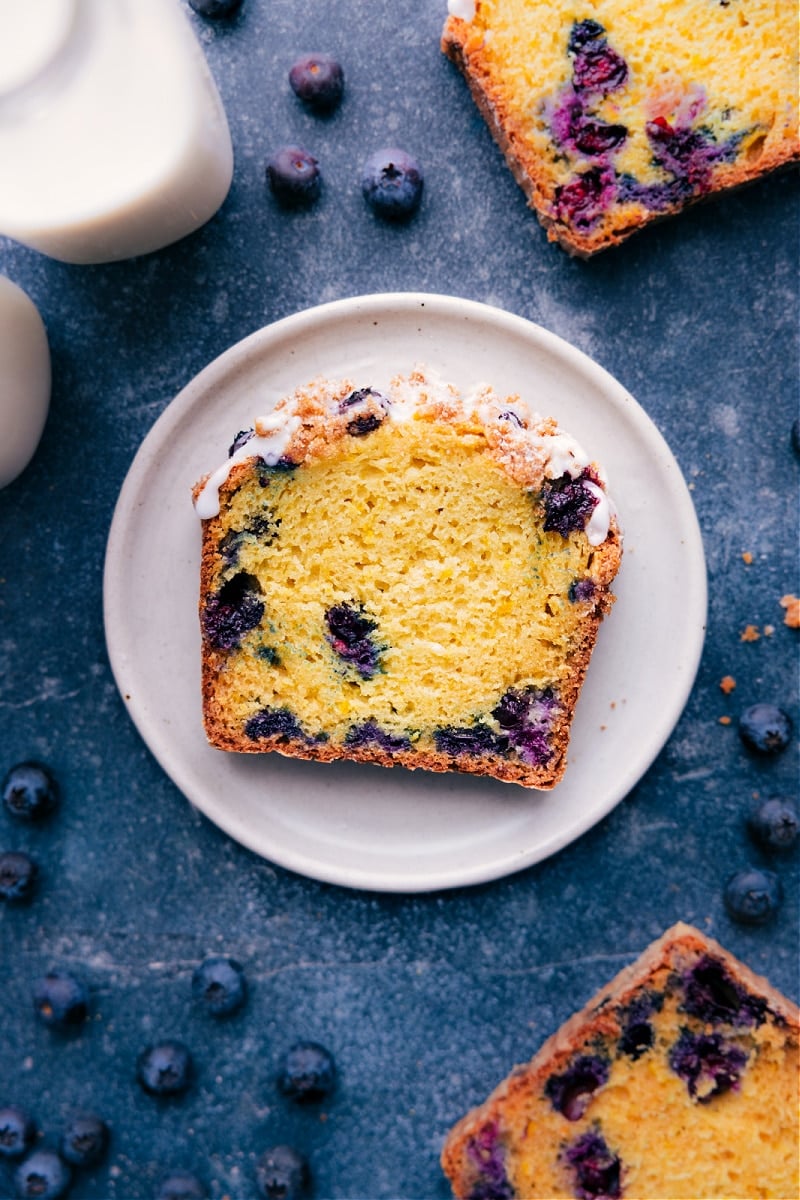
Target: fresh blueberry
<point>17,1131</point>
<point>752,896</point>
<point>165,1068</point>
<point>317,80</point>
<point>216,9</point>
<point>30,791</point>
<point>282,1174</point>
<point>60,1000</point>
<point>180,1185</point>
<point>42,1175</point>
<point>775,823</point>
<point>765,728</point>
<point>294,176</point>
<point>84,1141</point>
<point>219,985</point>
<point>307,1073</point>
<point>392,183</point>
<point>18,874</point>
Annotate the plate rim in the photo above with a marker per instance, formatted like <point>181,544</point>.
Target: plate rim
<point>215,372</point>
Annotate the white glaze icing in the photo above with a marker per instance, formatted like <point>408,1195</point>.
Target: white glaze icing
<point>270,442</point>
<point>465,9</point>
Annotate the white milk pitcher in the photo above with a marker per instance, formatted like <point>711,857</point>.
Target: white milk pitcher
<point>113,138</point>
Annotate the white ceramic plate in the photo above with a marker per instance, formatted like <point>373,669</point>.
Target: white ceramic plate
<point>365,826</point>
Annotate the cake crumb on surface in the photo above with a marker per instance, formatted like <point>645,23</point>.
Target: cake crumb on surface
<point>791,605</point>
<point>727,684</point>
<point>750,634</point>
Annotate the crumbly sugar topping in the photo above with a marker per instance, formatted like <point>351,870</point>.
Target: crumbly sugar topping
<point>310,423</point>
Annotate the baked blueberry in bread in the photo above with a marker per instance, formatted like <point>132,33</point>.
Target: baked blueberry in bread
<point>612,115</point>
<point>405,577</point>
<point>677,1081</point>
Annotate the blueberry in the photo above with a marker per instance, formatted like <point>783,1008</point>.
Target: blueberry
<point>474,739</point>
<point>568,504</point>
<point>216,9</point>
<point>180,1185</point>
<point>17,1131</point>
<point>274,722</point>
<point>486,1154</point>
<point>392,183</point>
<point>597,1171</point>
<point>351,636</point>
<point>60,1000</point>
<point>765,728</point>
<point>317,80</point>
<point>752,896</point>
<point>307,1073</point>
<point>585,198</point>
<point>30,791</point>
<point>775,823</point>
<point>165,1068</point>
<point>713,996</point>
<point>219,985</point>
<point>43,1175</point>
<point>294,176</point>
<point>571,1092</point>
<point>233,611</point>
<point>282,1174</point>
<point>17,876</point>
<point>84,1141</point>
<point>707,1063</point>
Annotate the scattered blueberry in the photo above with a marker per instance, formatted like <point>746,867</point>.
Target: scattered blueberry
<point>42,1175</point>
<point>216,9</point>
<point>318,80</point>
<point>17,1131</point>
<point>294,176</point>
<point>752,896</point>
<point>282,1174</point>
<point>571,1092</point>
<point>596,1169</point>
<point>60,1000</point>
<point>392,183</point>
<point>18,874</point>
<point>707,1063</point>
<point>233,611</point>
<point>84,1141</point>
<point>775,823</point>
<point>165,1069</point>
<point>765,728</point>
<point>30,791</point>
<point>219,985</point>
<point>307,1073</point>
<point>180,1185</point>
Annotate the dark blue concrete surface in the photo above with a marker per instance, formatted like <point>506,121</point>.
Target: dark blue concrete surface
<point>425,1001</point>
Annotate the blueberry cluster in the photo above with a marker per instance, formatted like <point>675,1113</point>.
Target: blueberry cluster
<point>392,180</point>
<point>684,154</point>
<point>165,1069</point>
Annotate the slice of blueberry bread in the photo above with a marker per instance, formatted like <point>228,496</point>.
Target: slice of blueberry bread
<point>613,114</point>
<point>403,577</point>
<point>678,1081</point>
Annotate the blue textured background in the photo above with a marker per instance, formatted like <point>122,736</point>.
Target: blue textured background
<point>425,1001</point>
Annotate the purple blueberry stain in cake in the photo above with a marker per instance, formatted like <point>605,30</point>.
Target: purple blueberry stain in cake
<point>708,1064</point>
<point>575,128</point>
<point>583,201</point>
<point>568,503</point>
<point>475,740</point>
<point>351,636</point>
<point>582,591</point>
<point>278,723</point>
<point>571,1092</point>
<point>233,611</point>
<point>714,997</point>
<point>596,1171</point>
<point>526,719</point>
<point>596,66</point>
<point>369,733</point>
<point>486,1155</point>
<point>638,1033</point>
<point>269,655</point>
